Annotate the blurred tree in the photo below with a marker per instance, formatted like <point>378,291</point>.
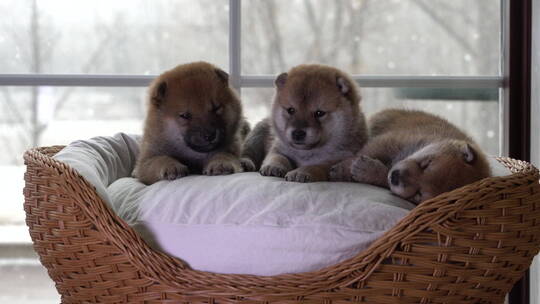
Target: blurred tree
<point>360,36</point>
<point>38,47</point>
<point>380,37</point>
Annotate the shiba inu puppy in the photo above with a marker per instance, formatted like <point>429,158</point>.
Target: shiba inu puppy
<point>415,154</point>
<point>316,122</point>
<point>194,124</point>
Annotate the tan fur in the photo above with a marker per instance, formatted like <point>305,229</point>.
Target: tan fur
<point>416,154</point>
<point>337,134</point>
<point>193,124</point>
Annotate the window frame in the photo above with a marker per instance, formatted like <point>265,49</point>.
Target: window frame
<point>239,81</point>
<point>517,34</point>
<point>513,82</point>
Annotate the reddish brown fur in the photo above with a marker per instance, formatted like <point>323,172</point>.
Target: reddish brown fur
<point>429,154</point>
<point>167,149</point>
<point>337,134</point>
<point>313,86</point>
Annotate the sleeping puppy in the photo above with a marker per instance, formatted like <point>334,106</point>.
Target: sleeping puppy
<point>415,154</point>
<point>194,124</point>
<point>316,122</point>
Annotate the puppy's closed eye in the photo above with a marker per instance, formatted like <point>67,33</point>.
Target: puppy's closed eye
<point>424,164</point>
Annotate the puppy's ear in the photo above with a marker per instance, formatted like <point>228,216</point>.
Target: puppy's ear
<point>281,80</point>
<point>343,85</point>
<point>469,153</point>
<point>158,94</point>
<point>222,75</point>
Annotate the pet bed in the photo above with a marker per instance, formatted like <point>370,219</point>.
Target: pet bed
<point>466,246</point>
<point>255,224</point>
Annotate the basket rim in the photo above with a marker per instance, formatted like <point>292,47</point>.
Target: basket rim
<point>172,271</point>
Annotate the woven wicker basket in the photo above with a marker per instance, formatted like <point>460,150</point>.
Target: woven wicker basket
<point>466,246</point>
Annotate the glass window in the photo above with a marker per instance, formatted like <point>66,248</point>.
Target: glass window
<point>44,116</point>
<point>111,37</point>
<point>435,37</point>
<point>24,280</point>
<point>145,37</point>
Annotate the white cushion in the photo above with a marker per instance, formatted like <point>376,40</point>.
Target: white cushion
<point>241,223</point>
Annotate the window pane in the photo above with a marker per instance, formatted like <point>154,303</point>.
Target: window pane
<point>47,116</point>
<point>111,37</point>
<point>475,111</point>
<point>24,280</point>
<point>435,37</point>
<point>42,116</point>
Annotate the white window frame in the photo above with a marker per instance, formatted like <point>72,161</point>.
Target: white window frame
<point>239,81</point>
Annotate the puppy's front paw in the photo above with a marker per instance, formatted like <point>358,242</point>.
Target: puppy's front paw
<point>341,172</point>
<point>223,167</point>
<point>299,176</point>
<point>368,170</point>
<point>173,171</point>
<point>273,170</point>
<point>247,164</point>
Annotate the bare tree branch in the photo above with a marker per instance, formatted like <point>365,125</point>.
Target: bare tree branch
<point>356,32</point>
<point>315,24</point>
<point>445,6</point>
<point>87,67</point>
<point>337,30</point>
<point>446,27</point>
<point>276,47</point>
<point>35,66</point>
<point>10,105</point>
<point>22,130</point>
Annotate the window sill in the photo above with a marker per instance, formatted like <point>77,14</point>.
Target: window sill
<point>14,234</point>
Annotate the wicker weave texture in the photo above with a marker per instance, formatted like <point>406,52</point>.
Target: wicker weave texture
<point>466,246</point>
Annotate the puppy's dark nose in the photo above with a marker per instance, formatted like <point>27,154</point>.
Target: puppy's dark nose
<point>298,135</point>
<point>394,177</point>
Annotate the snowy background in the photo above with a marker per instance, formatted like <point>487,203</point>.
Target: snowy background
<point>366,37</point>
